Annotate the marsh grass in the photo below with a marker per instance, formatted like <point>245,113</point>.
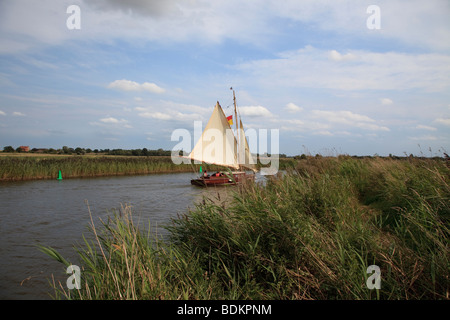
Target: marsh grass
<point>308,234</point>
<point>32,167</point>
<point>28,168</point>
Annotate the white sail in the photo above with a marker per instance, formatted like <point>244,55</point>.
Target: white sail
<point>217,145</point>
<point>246,159</point>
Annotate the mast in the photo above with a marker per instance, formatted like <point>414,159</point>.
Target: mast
<point>237,127</point>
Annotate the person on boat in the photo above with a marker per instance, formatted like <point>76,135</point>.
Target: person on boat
<point>205,175</point>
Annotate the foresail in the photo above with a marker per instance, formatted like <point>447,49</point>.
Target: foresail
<point>245,156</point>
<point>217,144</point>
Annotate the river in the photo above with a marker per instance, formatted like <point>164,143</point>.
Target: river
<point>54,213</point>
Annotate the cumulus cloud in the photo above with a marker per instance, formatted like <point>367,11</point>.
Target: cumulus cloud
<point>29,24</point>
<point>255,111</point>
<point>155,115</point>
<point>128,85</point>
<point>311,67</point>
<point>173,112</point>
<point>292,108</point>
<point>336,56</point>
<point>345,117</point>
<point>332,123</point>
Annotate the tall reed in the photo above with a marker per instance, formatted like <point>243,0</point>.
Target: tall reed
<point>310,233</point>
<point>27,168</point>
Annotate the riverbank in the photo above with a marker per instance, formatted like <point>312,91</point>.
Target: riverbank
<point>311,233</point>
<point>33,167</point>
<point>23,166</point>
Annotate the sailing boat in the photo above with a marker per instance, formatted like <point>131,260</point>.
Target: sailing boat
<point>221,146</point>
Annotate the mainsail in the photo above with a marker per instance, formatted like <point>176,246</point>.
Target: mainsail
<point>217,145</point>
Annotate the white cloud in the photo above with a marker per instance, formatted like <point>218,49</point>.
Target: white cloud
<point>156,115</point>
<point>18,114</point>
<point>345,117</point>
<point>386,101</point>
<point>444,121</point>
<point>424,138</point>
<point>173,112</point>
<point>109,120</point>
<point>371,126</point>
<point>336,56</point>
<point>128,85</point>
<point>2,113</point>
<point>112,122</point>
<point>255,111</point>
<point>323,133</point>
<point>29,24</point>
<point>292,108</point>
<point>324,122</point>
<point>311,67</point>
<point>424,127</point>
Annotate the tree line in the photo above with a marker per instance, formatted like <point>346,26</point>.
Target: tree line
<point>81,151</point>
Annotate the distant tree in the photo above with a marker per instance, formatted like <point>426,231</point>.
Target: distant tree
<point>79,151</point>
<point>145,152</point>
<point>18,149</point>
<point>8,149</point>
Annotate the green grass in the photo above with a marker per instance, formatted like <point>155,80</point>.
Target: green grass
<point>308,234</point>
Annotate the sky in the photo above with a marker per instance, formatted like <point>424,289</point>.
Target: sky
<point>332,77</point>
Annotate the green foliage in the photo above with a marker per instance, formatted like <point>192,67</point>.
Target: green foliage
<point>8,149</point>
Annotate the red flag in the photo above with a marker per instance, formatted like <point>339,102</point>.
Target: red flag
<point>230,120</point>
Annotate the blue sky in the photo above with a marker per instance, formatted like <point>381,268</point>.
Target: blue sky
<point>138,70</point>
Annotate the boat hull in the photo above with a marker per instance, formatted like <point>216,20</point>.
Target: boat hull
<point>222,180</point>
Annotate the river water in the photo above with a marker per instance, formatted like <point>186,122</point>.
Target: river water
<point>54,213</point>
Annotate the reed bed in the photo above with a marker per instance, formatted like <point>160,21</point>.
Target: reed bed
<point>310,233</point>
<point>29,168</point>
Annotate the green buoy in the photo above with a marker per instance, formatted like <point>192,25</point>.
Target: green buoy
<point>59,175</point>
